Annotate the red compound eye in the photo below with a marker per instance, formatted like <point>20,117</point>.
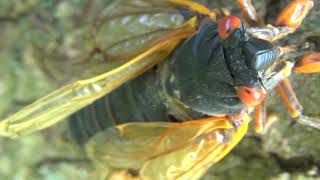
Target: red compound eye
<point>251,96</point>
<point>227,25</point>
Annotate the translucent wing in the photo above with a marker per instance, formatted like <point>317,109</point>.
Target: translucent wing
<point>69,99</point>
<point>108,34</point>
<point>166,150</point>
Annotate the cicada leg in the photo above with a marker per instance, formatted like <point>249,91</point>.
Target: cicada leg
<point>260,116</point>
<point>309,63</point>
<point>250,13</point>
<point>289,19</point>
<point>289,96</point>
<point>294,13</point>
<point>262,119</point>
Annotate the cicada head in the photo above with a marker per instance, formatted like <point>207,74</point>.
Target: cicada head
<point>265,58</point>
<point>253,63</point>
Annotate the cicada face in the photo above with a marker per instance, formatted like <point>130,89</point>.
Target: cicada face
<point>254,62</point>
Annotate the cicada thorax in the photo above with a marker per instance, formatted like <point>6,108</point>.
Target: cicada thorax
<point>222,68</point>
<point>199,74</point>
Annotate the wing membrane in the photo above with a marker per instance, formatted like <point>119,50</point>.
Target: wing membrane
<point>166,150</point>
<point>122,32</point>
<point>69,99</point>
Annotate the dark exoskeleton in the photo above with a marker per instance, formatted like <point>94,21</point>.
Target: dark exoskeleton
<point>199,80</point>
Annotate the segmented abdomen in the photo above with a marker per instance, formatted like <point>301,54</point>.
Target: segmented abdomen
<point>137,100</point>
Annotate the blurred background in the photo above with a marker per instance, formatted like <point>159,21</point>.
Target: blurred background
<point>42,46</point>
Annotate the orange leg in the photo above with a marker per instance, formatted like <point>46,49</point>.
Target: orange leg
<point>309,63</point>
<point>250,13</point>
<point>260,117</point>
<point>294,13</point>
<point>287,22</point>
<point>262,121</point>
<point>289,98</point>
<point>291,101</point>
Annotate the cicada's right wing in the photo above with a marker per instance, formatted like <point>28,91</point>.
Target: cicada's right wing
<point>162,150</point>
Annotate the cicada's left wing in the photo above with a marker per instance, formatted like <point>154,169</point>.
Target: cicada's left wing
<point>69,99</point>
<point>163,150</point>
<point>109,33</point>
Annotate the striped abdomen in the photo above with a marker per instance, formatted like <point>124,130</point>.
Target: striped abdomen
<point>137,100</point>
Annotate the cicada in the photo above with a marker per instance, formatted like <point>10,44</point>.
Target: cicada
<point>182,102</point>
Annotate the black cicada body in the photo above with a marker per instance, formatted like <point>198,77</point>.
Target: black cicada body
<point>199,80</point>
